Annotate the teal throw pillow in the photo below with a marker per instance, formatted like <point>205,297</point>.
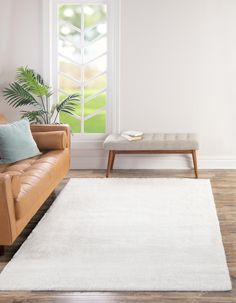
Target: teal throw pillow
<point>16,142</point>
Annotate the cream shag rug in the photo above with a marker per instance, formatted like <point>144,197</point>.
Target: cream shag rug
<point>124,234</point>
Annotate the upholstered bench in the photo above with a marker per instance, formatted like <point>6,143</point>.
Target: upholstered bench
<point>158,143</point>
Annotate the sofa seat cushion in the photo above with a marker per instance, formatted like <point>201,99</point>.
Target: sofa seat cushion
<point>38,174</point>
<point>19,166</point>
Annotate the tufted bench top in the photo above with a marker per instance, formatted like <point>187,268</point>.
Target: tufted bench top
<point>154,141</point>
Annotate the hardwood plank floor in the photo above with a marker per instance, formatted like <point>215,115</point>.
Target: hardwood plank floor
<point>224,189</point>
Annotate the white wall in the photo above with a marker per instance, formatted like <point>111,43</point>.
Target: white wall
<point>179,69</point>
<point>178,72</point>
<point>21,42</point>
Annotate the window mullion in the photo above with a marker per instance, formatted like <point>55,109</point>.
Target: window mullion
<point>82,68</point>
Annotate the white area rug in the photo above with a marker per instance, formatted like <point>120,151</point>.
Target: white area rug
<point>124,234</point>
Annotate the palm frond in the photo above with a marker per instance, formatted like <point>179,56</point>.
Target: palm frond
<point>16,95</point>
<point>68,104</point>
<point>39,79</point>
<point>32,81</point>
<point>70,112</point>
<point>36,116</point>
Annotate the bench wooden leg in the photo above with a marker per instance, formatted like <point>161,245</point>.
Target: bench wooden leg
<point>194,155</point>
<point>110,162</point>
<point>1,250</point>
<point>113,159</point>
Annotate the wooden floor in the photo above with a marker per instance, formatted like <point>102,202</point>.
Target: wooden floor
<point>224,189</point>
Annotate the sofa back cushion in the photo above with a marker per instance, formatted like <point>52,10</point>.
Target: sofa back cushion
<point>50,140</point>
<point>16,142</point>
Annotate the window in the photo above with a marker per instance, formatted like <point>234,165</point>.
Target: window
<point>83,37</point>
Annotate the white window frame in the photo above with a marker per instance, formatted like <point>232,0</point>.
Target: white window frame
<point>113,63</point>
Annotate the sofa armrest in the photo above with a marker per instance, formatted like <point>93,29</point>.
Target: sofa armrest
<point>7,211</point>
<point>3,119</point>
<point>51,128</point>
<point>50,140</point>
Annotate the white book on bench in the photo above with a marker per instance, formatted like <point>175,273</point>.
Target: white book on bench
<point>133,133</point>
<point>131,138</point>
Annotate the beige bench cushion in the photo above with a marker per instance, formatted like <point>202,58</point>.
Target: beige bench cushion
<point>158,141</point>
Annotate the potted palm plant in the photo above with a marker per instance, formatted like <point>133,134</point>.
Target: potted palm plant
<point>29,89</point>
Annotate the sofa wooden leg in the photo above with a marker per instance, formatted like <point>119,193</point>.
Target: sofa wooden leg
<point>53,194</point>
<point>109,163</point>
<point>1,250</point>
<point>194,155</point>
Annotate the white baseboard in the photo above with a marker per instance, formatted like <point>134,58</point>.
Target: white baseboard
<point>97,160</point>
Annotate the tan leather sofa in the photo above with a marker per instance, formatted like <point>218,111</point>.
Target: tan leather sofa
<point>26,184</point>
